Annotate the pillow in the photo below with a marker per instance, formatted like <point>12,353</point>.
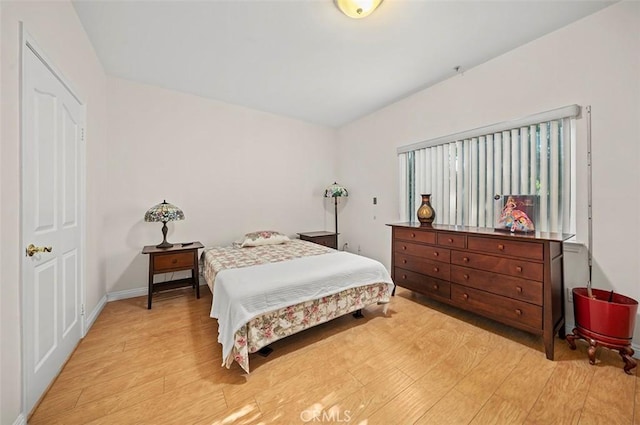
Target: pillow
<point>263,237</point>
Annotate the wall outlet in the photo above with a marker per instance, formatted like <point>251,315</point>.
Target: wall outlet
<point>570,295</point>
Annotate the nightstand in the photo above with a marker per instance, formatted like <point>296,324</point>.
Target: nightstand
<point>329,239</point>
<point>181,256</point>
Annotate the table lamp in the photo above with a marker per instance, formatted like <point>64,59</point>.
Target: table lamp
<point>164,212</point>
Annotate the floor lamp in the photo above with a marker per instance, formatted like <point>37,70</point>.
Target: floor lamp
<point>336,191</point>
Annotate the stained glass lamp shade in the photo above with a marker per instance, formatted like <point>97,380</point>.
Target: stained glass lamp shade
<point>164,212</point>
<point>336,191</point>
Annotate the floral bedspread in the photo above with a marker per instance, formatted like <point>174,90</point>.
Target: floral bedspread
<point>231,257</point>
<point>270,327</point>
<point>267,328</point>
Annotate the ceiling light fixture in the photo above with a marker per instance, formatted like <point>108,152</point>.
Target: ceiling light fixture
<point>357,8</point>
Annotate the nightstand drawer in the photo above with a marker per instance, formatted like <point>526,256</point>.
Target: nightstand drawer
<point>173,261</point>
<point>329,241</point>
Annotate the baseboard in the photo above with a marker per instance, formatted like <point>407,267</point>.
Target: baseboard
<point>127,293</point>
<point>20,420</point>
<point>132,293</point>
<point>88,321</point>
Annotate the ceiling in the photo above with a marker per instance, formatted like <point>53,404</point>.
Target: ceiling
<point>303,58</point>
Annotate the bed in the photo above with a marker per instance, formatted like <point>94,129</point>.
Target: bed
<point>264,293</point>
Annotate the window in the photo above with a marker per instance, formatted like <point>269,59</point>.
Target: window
<point>465,171</point>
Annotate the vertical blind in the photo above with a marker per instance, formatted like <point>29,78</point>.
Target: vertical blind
<point>465,174</point>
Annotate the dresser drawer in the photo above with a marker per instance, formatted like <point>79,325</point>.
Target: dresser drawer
<point>416,235</point>
<point>512,287</point>
<point>452,240</point>
<point>514,312</point>
<point>510,266</point>
<point>420,283</point>
<point>173,261</point>
<point>532,250</point>
<point>431,268</point>
<point>425,251</point>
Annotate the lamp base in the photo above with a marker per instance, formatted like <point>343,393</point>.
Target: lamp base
<point>164,244</point>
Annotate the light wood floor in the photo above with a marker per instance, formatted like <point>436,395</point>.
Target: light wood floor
<point>422,363</point>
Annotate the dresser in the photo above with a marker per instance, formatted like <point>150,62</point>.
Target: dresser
<point>516,279</point>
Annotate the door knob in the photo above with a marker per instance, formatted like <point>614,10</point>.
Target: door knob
<point>32,249</point>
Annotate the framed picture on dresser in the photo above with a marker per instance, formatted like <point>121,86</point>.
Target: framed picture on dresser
<point>517,213</point>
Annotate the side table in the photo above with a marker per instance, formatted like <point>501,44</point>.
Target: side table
<point>181,256</point>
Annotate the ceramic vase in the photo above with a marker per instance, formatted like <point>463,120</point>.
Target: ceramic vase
<point>426,213</point>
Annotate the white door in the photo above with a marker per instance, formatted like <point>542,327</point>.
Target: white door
<point>53,127</point>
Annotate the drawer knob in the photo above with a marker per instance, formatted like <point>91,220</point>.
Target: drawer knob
<point>519,289</point>
<point>404,247</point>
<point>436,269</point>
<point>404,276</point>
<point>435,254</point>
<point>519,269</point>
<point>465,259</point>
<point>466,276</point>
<point>413,235</point>
<point>175,260</point>
<point>501,247</point>
<point>435,286</point>
<point>450,240</point>
<point>404,261</point>
<point>465,296</point>
<point>518,312</point>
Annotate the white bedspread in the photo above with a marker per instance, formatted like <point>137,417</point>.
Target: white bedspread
<point>242,294</point>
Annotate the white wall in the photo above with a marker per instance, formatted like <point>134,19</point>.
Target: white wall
<point>57,30</point>
<point>230,169</point>
<point>595,61</point>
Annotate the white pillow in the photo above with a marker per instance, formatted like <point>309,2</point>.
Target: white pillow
<point>263,237</point>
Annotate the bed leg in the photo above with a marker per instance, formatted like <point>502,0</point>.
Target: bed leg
<point>265,351</point>
<point>358,314</point>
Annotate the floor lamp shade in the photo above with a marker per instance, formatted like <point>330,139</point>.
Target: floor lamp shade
<point>164,213</point>
<point>336,191</point>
